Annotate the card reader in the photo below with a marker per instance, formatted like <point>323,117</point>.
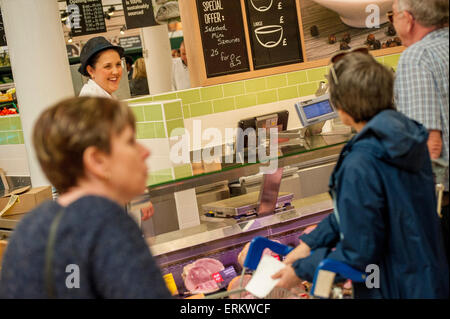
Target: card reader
<point>316,110</point>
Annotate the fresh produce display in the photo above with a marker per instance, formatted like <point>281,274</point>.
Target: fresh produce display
<point>4,59</point>
<point>6,111</point>
<point>8,103</point>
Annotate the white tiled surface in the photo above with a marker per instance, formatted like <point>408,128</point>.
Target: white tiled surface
<point>13,160</point>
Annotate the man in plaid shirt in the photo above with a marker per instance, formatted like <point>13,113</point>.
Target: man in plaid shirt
<point>422,80</point>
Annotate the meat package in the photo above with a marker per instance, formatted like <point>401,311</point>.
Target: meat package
<point>198,278</point>
<point>234,284</point>
<point>243,254</point>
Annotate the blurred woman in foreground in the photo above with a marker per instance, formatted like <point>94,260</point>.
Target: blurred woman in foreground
<point>84,245</point>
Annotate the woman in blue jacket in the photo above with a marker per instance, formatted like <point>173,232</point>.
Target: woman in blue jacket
<point>383,193</point>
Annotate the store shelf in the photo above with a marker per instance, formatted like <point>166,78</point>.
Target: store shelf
<point>7,86</point>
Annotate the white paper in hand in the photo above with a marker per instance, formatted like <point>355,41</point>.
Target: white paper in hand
<point>262,283</point>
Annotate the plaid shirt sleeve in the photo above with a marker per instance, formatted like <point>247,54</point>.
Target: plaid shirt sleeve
<point>416,93</point>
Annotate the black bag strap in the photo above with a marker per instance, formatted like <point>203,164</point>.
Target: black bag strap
<point>49,251</point>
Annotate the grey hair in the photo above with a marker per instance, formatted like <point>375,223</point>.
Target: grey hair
<point>364,89</point>
<point>429,13</point>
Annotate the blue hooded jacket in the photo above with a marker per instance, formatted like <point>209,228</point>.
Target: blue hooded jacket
<point>385,213</point>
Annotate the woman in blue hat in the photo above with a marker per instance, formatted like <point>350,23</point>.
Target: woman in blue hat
<point>101,62</point>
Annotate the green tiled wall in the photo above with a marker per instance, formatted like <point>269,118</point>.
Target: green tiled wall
<point>237,95</point>
<point>168,174</point>
<point>10,130</point>
<point>160,176</point>
<point>158,120</point>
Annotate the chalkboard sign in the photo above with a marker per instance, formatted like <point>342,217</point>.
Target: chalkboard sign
<point>2,32</point>
<point>223,37</point>
<point>138,13</point>
<point>274,32</point>
<point>85,17</point>
<point>130,42</point>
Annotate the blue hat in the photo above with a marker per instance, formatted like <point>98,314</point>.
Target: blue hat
<point>91,48</point>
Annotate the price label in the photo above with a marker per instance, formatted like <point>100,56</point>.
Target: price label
<point>217,277</point>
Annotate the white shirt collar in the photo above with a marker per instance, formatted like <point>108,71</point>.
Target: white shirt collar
<point>91,88</point>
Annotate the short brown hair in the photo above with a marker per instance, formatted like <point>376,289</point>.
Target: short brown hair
<point>365,87</point>
<point>64,131</point>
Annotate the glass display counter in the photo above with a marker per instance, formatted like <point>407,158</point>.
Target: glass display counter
<point>224,238</point>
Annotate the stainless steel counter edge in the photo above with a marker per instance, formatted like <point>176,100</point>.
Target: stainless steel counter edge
<point>210,231</point>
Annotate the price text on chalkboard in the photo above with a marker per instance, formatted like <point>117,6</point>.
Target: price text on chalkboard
<point>274,32</point>
<point>138,13</point>
<point>130,42</point>
<point>85,17</point>
<point>223,37</point>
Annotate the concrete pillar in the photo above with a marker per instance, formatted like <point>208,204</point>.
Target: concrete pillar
<point>39,64</point>
<point>158,58</point>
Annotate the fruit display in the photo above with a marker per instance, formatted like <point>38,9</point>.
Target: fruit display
<point>8,103</point>
<point>4,59</point>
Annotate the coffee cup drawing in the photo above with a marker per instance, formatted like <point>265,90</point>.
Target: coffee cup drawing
<point>269,36</point>
<point>262,5</point>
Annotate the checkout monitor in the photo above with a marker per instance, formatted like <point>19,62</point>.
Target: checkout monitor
<point>316,110</point>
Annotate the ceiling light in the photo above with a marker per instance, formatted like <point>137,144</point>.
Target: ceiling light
<point>111,10</point>
<point>64,16</point>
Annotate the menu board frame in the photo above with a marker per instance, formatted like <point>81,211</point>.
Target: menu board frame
<point>196,62</point>
<point>139,18</point>
<point>220,40</point>
<point>195,53</point>
<point>79,25</point>
<point>272,44</point>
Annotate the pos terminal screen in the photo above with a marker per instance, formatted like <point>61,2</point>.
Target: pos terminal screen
<point>317,109</point>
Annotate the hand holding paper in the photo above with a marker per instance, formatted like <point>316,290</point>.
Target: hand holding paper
<point>262,283</point>
<point>287,278</point>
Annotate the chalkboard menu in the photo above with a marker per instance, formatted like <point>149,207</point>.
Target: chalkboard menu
<point>274,32</point>
<point>130,42</point>
<point>2,32</point>
<point>223,37</point>
<point>85,17</point>
<point>138,13</point>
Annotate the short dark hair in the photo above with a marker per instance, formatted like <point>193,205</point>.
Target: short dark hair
<point>365,87</point>
<point>128,59</point>
<point>64,131</point>
<point>94,59</point>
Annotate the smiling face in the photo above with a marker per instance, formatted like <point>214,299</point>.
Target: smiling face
<point>126,165</point>
<point>107,70</point>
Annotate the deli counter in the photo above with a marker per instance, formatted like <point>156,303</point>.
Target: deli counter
<point>307,165</point>
<point>183,228</point>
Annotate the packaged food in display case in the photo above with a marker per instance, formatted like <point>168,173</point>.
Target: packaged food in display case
<point>198,276</point>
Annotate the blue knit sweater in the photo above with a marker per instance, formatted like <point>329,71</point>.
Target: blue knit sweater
<point>98,249</point>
